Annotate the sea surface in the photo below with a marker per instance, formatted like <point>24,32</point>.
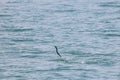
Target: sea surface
<point>86,32</point>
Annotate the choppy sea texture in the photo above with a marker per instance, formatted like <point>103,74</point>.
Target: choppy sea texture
<point>86,32</point>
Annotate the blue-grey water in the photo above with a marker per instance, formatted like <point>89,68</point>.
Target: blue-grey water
<point>86,32</point>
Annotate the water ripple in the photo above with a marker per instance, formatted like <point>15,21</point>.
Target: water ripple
<point>86,32</point>
<point>110,4</point>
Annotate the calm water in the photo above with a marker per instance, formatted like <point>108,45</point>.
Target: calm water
<point>87,33</point>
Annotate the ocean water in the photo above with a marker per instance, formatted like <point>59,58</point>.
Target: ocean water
<point>86,32</point>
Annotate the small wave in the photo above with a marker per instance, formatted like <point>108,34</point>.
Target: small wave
<point>110,4</point>
<point>108,33</point>
<point>5,15</point>
<point>2,70</point>
<point>19,1</point>
<point>17,30</point>
<point>100,62</point>
<point>22,40</point>
<point>68,69</point>
<point>29,56</point>
<point>112,35</point>
<point>71,10</point>
<point>112,30</point>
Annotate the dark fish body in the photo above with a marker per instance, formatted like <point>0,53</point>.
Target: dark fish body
<point>57,51</point>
